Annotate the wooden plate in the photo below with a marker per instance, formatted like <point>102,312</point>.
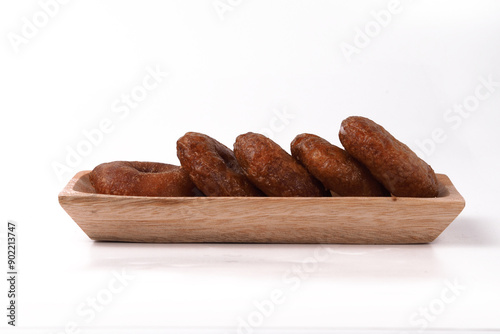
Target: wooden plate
<point>346,220</point>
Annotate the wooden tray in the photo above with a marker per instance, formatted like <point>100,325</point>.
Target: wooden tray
<point>346,220</point>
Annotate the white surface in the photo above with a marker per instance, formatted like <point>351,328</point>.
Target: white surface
<point>228,77</point>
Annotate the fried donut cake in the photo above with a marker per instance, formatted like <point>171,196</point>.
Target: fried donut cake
<point>138,178</point>
<point>212,167</point>
<point>391,162</point>
<point>334,167</point>
<point>273,170</point>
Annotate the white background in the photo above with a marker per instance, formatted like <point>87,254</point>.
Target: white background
<point>228,73</point>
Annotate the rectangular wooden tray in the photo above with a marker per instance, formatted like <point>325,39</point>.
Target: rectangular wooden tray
<point>346,220</point>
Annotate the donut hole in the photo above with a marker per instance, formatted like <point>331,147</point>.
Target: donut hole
<point>228,159</point>
<point>148,168</point>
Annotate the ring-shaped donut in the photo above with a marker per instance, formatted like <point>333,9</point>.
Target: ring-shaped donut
<point>139,178</point>
<point>212,167</point>
<point>391,162</point>
<point>272,169</point>
<point>334,167</point>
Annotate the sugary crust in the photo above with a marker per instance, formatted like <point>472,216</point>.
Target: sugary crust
<point>273,170</point>
<point>138,178</point>
<point>334,167</point>
<point>391,162</point>
<point>212,167</point>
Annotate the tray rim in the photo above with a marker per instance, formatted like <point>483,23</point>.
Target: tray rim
<point>448,194</point>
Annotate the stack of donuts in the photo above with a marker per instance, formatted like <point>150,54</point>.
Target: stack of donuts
<point>372,163</point>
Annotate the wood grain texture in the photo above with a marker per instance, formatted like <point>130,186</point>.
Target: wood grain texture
<point>345,220</point>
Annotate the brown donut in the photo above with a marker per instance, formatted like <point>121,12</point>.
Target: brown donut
<point>391,162</point>
<point>273,170</point>
<point>334,167</point>
<point>213,167</point>
<point>137,178</point>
